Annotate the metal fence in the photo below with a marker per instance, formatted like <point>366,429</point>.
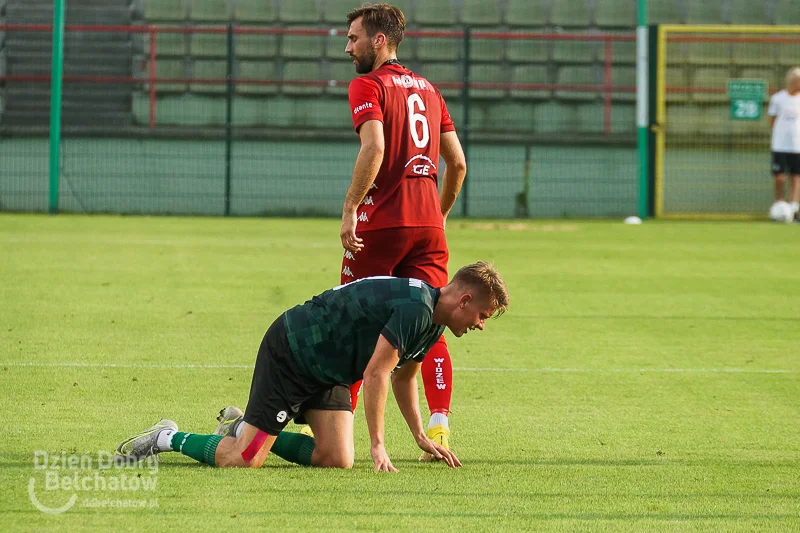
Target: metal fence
<point>245,120</point>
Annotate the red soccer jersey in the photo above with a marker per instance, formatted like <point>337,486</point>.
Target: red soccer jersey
<point>414,115</point>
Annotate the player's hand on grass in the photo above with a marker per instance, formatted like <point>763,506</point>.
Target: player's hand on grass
<point>348,233</point>
<point>381,459</point>
<point>439,452</point>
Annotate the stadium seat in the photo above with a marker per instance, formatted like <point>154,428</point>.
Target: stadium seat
<point>788,55</point>
<point>706,79</point>
<point>773,76</point>
<point>555,117</point>
<point>526,12</point>
<point>575,51</point>
<point>438,48</point>
<point>488,74</point>
<point>216,70</point>
<point>704,12</point>
<point>336,10</point>
<point>525,74</point>
<point>503,116</point>
<point>164,10</point>
<point>302,71</point>
<point>709,53</point>
<point>676,53</point>
<point>209,10</point>
<point>302,46</point>
<point>787,12</point>
<point>677,85</point>
<point>616,13</point>
<point>621,52</point>
<point>209,45</point>
<point>623,118</point>
<point>683,119</point>
<point>480,12</point>
<point>299,11</point>
<point>749,12</point>
<point>173,70</point>
<point>167,44</point>
<point>528,51</point>
<point>441,73</point>
<point>342,73</point>
<point>572,76</point>
<point>254,11</point>
<point>250,45</point>
<point>572,14</point>
<point>435,12</point>
<point>322,113</point>
<point>486,49</point>
<point>624,77</point>
<point>590,117</point>
<point>257,70</point>
<point>664,12</point>
<point>335,45</point>
<point>754,53</point>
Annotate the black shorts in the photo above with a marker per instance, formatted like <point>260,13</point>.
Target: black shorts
<point>785,163</point>
<point>281,392</point>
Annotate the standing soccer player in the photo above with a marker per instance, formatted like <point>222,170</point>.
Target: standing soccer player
<point>393,199</point>
<point>784,116</point>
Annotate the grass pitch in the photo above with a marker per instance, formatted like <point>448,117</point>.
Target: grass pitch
<point>645,379</point>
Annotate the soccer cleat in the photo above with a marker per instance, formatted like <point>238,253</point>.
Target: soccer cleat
<point>441,436</point>
<point>143,444</point>
<point>306,430</point>
<point>228,419</point>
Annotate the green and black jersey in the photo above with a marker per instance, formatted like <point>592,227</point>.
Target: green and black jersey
<point>333,335</point>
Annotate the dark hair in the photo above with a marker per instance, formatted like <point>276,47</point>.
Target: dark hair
<point>382,18</point>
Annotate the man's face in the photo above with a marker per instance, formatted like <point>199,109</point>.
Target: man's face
<point>793,85</point>
<point>360,47</point>
<point>471,313</point>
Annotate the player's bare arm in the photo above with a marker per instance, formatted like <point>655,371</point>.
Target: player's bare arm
<point>454,173</point>
<point>404,386</point>
<point>368,163</point>
<point>376,388</point>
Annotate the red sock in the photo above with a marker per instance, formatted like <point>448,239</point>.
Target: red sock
<point>355,391</point>
<point>437,376</point>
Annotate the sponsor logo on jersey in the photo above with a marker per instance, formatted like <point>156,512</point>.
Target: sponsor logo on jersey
<point>362,107</point>
<point>368,201</point>
<point>347,272</point>
<point>363,217</point>
<point>407,82</point>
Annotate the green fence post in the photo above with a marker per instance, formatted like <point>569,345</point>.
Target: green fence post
<point>466,106</point>
<point>642,122</point>
<point>56,78</point>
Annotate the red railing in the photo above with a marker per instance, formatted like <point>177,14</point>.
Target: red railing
<point>606,88</point>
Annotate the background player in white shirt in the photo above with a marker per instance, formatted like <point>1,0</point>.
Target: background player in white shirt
<point>784,113</point>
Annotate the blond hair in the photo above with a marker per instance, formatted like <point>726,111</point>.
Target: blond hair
<point>792,74</point>
<point>485,277</point>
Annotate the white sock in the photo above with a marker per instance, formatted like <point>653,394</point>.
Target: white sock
<point>438,418</point>
<point>164,440</point>
<point>238,429</point>
<point>795,206</point>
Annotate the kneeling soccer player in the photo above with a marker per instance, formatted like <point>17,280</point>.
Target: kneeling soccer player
<point>369,329</point>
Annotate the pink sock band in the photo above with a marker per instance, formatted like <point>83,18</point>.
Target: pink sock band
<point>255,446</point>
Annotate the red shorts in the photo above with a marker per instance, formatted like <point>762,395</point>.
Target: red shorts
<point>419,253</point>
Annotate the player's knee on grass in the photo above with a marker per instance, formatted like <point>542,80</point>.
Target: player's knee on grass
<point>334,458</point>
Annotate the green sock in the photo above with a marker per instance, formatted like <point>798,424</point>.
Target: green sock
<point>294,447</point>
<point>198,447</point>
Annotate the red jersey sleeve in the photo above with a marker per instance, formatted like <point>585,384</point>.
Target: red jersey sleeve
<point>365,101</point>
<point>447,121</point>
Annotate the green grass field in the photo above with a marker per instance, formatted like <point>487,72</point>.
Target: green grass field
<point>645,379</point>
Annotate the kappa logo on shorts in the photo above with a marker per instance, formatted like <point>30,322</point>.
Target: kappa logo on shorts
<point>347,272</point>
<point>363,217</point>
<point>281,417</point>
<point>349,255</point>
